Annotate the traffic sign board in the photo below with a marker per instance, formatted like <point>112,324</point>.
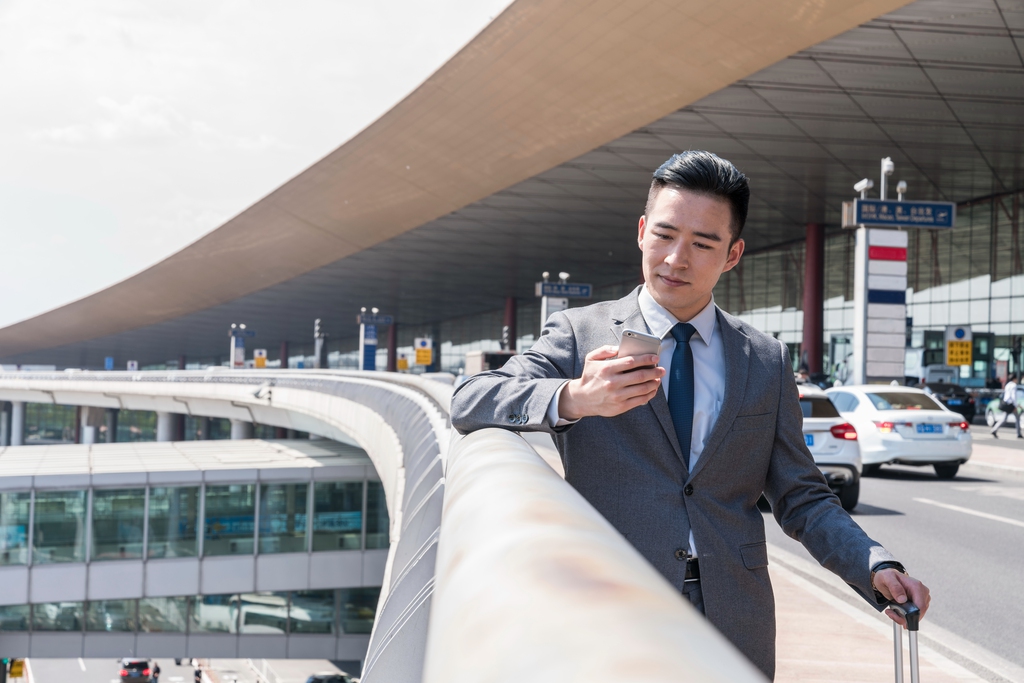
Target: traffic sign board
<point>369,319</point>
<point>895,214</point>
<point>571,290</point>
<point>242,333</point>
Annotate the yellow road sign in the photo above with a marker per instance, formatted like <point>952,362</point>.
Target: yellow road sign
<point>424,356</point>
<point>403,363</point>
<point>17,668</point>
<point>959,353</point>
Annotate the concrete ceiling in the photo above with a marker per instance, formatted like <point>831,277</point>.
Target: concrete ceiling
<point>938,85</point>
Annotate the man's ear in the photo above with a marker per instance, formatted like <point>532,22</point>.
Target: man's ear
<point>735,253</point>
<point>640,232</point>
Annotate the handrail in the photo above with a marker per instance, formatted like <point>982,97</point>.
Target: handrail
<point>532,583</point>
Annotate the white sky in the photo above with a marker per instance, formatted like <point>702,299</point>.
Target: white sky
<point>129,128</point>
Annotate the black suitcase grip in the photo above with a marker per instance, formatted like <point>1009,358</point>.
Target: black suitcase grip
<point>910,612</point>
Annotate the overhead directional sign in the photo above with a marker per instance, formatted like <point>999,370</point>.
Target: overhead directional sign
<point>242,333</point>
<point>569,290</point>
<point>895,214</point>
<point>368,319</point>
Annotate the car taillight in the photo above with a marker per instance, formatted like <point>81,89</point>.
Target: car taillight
<point>844,431</point>
<point>962,425</point>
<point>145,672</point>
<point>124,672</point>
<point>886,427</point>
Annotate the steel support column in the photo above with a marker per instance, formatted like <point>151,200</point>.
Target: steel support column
<point>283,355</point>
<point>241,429</point>
<point>814,297</point>
<point>17,423</point>
<point>511,310</point>
<point>164,426</point>
<point>393,347</point>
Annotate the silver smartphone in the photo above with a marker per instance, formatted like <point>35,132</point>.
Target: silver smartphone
<point>635,343</point>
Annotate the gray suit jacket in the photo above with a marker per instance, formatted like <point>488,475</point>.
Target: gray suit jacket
<point>630,467</point>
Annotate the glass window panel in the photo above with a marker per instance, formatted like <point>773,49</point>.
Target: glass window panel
<point>14,508</point>
<point>110,615</point>
<point>358,609</point>
<point>59,527</point>
<point>214,614</point>
<point>46,423</point>
<point>136,425</point>
<point>117,519</point>
<point>163,615</point>
<point>14,617</point>
<point>173,512</point>
<point>263,612</point>
<point>230,519</point>
<point>312,612</point>
<point>57,616</point>
<point>337,515</point>
<point>377,521</point>
<point>283,518</point>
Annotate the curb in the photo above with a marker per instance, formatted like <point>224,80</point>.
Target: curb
<point>992,468</point>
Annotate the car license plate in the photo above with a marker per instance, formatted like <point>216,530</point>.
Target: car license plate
<point>809,439</point>
<point>955,402</point>
<point>929,429</point>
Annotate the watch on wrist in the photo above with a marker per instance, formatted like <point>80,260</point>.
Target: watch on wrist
<point>892,564</point>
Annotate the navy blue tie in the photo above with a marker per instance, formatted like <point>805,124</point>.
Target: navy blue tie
<point>680,388</point>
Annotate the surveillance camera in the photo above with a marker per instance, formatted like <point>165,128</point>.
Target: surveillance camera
<point>864,185</point>
<point>901,186</point>
<point>887,166</point>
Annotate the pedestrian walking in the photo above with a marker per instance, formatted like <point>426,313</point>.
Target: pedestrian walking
<point>1008,406</point>
<point>156,672</point>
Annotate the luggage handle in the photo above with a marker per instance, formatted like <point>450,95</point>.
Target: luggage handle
<point>912,614</point>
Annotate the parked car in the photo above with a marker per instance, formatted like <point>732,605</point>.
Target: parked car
<point>904,426</point>
<point>331,677</point>
<point>136,670</point>
<point>832,440</point>
<point>954,397</point>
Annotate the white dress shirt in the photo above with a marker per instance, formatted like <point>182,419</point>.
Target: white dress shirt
<point>708,370</point>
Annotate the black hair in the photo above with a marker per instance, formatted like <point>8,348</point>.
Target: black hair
<point>705,173</point>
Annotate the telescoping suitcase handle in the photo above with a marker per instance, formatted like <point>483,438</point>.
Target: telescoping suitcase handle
<point>912,614</point>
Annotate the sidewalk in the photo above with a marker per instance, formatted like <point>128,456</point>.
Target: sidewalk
<point>826,633</point>
<point>998,459</point>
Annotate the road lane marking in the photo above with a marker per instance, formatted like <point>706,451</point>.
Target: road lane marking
<point>81,663</point>
<point>968,511</point>
<point>988,490</point>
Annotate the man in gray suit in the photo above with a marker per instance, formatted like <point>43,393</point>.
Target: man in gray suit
<point>675,449</point>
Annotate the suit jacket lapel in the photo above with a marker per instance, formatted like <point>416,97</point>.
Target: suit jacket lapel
<point>629,317</point>
<point>737,364</point>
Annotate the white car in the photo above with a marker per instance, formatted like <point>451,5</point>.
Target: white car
<point>832,440</point>
<point>904,426</point>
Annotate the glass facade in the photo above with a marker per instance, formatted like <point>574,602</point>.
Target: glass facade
<point>283,518</point>
<point>163,615</point>
<point>57,616</point>
<point>347,515</point>
<point>46,423</point>
<point>377,521</point>
<point>14,520</point>
<point>117,523</point>
<point>337,515</point>
<point>173,512</point>
<point>59,528</point>
<point>136,425</point>
<point>230,519</point>
<point>116,616</point>
<point>330,611</point>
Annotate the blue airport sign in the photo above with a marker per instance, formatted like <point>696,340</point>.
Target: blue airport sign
<point>108,363</point>
<point>904,214</point>
<point>368,319</point>
<point>242,333</point>
<point>568,290</point>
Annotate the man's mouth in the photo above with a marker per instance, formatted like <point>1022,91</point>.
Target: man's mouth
<point>672,282</point>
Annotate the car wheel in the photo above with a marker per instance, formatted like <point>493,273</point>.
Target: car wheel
<point>990,418</point>
<point>849,495</point>
<point>870,470</point>
<point>946,471</point>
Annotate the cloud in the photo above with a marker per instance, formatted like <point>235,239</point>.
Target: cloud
<point>149,120</point>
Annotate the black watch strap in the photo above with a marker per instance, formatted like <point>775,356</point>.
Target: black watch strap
<point>891,564</point>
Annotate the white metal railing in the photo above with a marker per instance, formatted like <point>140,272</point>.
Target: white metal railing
<point>532,583</point>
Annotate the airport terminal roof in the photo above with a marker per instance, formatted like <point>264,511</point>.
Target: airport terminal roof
<point>182,462</point>
<point>532,150</point>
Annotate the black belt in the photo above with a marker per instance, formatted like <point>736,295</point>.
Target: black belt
<point>692,569</point>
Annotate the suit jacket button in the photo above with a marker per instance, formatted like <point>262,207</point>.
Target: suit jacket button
<point>525,418</point>
<point>681,554</point>
<point>513,418</point>
<point>688,490</point>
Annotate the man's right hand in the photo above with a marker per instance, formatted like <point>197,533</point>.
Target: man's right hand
<point>610,386</point>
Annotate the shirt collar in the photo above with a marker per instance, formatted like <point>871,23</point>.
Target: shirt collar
<point>660,322</point>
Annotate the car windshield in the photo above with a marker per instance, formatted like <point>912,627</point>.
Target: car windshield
<point>817,406</point>
<point>899,400</point>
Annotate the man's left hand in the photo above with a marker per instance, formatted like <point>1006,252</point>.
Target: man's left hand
<point>899,588</point>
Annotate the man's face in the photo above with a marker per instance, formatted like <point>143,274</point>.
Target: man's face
<point>685,240</point>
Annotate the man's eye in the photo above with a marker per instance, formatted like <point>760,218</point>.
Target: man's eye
<point>662,236</point>
<point>701,245</point>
